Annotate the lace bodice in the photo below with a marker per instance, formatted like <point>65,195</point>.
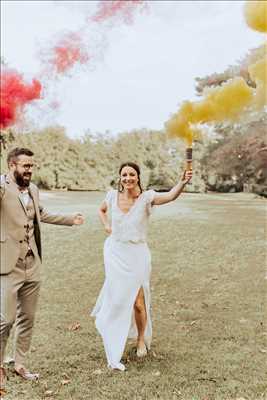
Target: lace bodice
<point>130,226</point>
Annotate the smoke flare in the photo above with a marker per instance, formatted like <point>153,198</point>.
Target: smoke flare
<point>68,51</point>
<point>256,18</point>
<point>15,95</point>
<point>258,73</point>
<point>223,103</point>
<point>124,9</point>
<point>233,98</point>
<point>256,15</point>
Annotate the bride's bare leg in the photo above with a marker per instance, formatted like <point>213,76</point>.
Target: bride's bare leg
<point>140,317</point>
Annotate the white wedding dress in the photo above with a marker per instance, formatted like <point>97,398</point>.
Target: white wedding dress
<point>127,268</point>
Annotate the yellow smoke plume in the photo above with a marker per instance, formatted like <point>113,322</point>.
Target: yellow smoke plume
<point>258,73</point>
<point>229,101</point>
<point>256,18</point>
<point>223,103</point>
<point>256,15</point>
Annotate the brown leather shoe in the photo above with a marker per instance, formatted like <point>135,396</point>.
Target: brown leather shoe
<point>3,379</point>
<point>27,375</point>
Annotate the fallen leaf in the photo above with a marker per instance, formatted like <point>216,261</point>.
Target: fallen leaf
<point>157,373</point>
<point>74,327</point>
<point>97,372</point>
<point>158,356</point>
<point>49,393</point>
<point>184,327</point>
<point>65,382</point>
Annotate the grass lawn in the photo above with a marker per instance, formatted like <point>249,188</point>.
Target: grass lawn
<point>208,298</point>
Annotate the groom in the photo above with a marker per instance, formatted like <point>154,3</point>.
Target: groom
<point>20,240</point>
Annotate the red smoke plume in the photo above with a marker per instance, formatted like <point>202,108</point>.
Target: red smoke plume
<point>71,50</point>
<point>122,8</point>
<point>68,51</point>
<point>14,95</point>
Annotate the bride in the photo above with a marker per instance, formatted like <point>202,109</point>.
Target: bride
<point>122,309</point>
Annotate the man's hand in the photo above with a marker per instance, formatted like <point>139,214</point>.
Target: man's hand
<point>78,219</point>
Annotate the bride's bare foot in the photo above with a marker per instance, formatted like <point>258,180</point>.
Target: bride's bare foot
<point>141,350</point>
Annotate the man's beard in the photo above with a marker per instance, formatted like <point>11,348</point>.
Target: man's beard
<point>20,178</point>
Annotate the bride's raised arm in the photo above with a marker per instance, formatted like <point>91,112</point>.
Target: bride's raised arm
<point>163,198</point>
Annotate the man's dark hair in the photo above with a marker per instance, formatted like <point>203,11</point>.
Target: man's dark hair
<point>18,151</point>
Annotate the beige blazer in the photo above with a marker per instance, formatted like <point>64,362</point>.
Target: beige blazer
<point>14,221</point>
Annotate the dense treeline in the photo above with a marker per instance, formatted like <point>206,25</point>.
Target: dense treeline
<point>234,160</point>
<point>92,162</point>
<point>237,159</point>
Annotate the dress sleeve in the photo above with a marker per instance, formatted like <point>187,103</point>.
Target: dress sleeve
<point>149,197</point>
<point>108,198</point>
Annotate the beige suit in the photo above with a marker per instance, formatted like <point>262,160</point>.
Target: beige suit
<point>20,242</point>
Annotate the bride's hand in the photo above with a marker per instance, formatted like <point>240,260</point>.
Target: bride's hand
<point>108,229</point>
<point>187,176</point>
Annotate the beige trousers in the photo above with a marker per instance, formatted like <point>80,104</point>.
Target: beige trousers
<point>19,295</point>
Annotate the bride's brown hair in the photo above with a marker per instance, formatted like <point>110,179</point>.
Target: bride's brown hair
<point>136,168</point>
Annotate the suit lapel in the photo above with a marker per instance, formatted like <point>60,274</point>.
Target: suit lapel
<point>22,202</point>
<point>33,195</point>
<point>14,187</point>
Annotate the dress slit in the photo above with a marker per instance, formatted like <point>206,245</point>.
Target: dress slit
<point>133,331</point>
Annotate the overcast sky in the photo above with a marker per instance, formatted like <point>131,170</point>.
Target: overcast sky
<point>144,70</point>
